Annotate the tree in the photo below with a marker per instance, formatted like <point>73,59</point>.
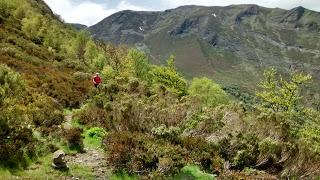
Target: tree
<point>170,78</point>
<point>91,51</point>
<point>140,63</point>
<point>210,93</point>
<point>279,95</point>
<point>80,44</point>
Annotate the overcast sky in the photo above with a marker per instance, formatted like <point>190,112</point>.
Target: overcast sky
<point>90,12</point>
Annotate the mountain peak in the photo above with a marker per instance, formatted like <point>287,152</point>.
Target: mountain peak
<point>294,15</point>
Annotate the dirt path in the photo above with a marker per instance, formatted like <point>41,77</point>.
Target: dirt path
<point>92,158</point>
<point>68,121</point>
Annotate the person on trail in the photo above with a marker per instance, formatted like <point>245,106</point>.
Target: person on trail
<point>96,80</point>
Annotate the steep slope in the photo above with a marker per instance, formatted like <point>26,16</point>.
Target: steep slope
<point>35,43</point>
<point>230,44</point>
<point>45,68</point>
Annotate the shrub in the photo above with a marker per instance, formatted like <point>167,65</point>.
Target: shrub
<point>309,140</point>
<point>11,84</point>
<point>5,8</point>
<point>16,140</point>
<point>74,139</point>
<point>137,153</point>
<point>45,111</point>
<point>90,114</point>
<point>278,95</point>
<point>81,76</point>
<point>166,132</point>
<point>210,94</point>
<point>270,149</point>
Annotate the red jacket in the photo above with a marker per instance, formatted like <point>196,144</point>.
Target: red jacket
<point>96,80</point>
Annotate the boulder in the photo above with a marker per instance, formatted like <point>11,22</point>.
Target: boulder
<point>59,160</point>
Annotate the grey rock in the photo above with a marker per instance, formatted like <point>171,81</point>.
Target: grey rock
<point>59,161</point>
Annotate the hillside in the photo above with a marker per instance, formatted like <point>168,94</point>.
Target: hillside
<point>144,121</point>
<point>222,43</point>
<point>78,26</point>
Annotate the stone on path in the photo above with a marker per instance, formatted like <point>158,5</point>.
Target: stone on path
<point>59,160</point>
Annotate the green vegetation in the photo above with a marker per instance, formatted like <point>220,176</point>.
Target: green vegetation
<point>43,169</point>
<point>193,172</point>
<point>149,122</point>
<point>211,94</point>
<point>122,176</point>
<point>93,137</point>
<point>170,78</point>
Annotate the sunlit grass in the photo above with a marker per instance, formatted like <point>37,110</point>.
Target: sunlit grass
<point>42,169</point>
<point>93,137</point>
<point>194,172</point>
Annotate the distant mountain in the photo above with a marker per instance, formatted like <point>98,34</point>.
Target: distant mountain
<point>232,44</point>
<point>78,26</point>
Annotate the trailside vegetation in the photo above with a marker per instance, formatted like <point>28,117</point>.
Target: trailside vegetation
<point>150,121</point>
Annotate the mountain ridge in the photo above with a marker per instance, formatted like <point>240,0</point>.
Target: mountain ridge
<point>223,43</point>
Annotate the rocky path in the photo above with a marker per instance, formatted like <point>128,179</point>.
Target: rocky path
<point>91,158</point>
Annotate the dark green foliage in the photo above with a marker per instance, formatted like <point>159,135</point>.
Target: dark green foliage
<point>240,95</point>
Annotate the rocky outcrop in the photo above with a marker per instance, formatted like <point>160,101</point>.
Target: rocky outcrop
<point>293,15</point>
<point>252,10</point>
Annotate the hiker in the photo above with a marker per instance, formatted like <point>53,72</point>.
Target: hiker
<point>96,80</point>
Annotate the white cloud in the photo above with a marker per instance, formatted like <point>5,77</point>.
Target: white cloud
<point>87,12</point>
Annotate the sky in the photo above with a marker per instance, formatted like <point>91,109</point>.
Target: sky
<point>90,12</point>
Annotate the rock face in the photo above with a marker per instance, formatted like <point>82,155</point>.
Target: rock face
<point>59,160</point>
